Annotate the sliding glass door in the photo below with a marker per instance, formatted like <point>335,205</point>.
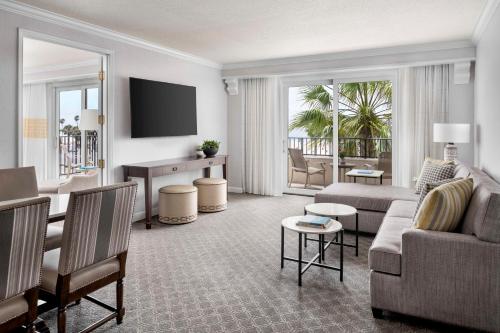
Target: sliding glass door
<point>336,126</point>
<point>364,133</point>
<point>310,145</point>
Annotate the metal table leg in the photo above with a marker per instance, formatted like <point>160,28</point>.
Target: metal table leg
<point>320,249</point>
<point>300,260</point>
<point>357,233</point>
<point>282,247</point>
<point>342,255</point>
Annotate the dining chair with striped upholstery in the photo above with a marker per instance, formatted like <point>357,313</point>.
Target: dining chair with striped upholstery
<point>20,183</point>
<point>23,224</point>
<point>93,251</point>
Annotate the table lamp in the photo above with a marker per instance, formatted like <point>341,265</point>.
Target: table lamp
<point>88,120</point>
<point>451,134</point>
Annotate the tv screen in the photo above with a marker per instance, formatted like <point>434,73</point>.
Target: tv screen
<point>162,109</point>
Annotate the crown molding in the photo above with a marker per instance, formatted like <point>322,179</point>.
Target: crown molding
<point>484,19</point>
<point>378,58</point>
<point>383,51</point>
<point>65,21</point>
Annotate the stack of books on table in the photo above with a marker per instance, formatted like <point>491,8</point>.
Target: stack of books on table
<point>313,221</point>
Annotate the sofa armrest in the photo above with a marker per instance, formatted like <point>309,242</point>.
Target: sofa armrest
<point>449,274</point>
<point>450,253</point>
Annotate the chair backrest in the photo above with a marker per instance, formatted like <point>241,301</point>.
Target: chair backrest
<point>385,162</point>
<point>78,182</point>
<point>298,160</point>
<point>18,183</point>
<point>97,225</point>
<point>23,226</point>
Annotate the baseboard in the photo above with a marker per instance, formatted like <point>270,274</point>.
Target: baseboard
<point>141,215</point>
<point>234,189</point>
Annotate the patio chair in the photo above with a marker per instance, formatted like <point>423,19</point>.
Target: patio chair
<point>301,165</point>
<point>384,163</point>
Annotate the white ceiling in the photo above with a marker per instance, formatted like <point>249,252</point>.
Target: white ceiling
<point>228,31</point>
<point>39,54</point>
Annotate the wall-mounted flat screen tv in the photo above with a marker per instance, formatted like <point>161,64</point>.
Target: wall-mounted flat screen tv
<point>162,109</point>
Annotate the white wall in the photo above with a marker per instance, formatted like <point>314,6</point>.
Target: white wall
<point>462,111</point>
<point>487,97</point>
<point>128,61</point>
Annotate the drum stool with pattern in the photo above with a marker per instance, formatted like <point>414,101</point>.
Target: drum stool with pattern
<point>178,204</point>
<point>212,194</point>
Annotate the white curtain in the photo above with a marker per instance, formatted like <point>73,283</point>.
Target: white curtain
<point>263,146</point>
<point>35,128</point>
<point>424,98</point>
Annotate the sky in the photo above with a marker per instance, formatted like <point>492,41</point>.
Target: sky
<point>70,104</point>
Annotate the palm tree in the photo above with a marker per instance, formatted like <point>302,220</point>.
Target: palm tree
<point>364,111</point>
<point>318,119</point>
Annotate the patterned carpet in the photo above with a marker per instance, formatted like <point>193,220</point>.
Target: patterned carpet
<point>222,274</point>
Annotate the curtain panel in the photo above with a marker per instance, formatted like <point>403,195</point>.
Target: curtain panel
<point>263,146</point>
<point>35,128</point>
<point>424,100</point>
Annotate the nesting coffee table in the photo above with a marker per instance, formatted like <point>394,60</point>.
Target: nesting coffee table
<point>318,260</point>
<point>334,211</point>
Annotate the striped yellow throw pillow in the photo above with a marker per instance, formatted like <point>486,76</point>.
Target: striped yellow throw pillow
<point>444,206</point>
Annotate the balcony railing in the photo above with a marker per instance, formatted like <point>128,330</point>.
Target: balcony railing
<point>352,147</point>
<point>70,151</point>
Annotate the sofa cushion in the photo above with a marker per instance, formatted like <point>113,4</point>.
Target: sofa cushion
<point>483,214</point>
<point>363,196</point>
<point>429,187</point>
<point>385,253</point>
<point>444,207</point>
<point>432,173</point>
<point>402,208</point>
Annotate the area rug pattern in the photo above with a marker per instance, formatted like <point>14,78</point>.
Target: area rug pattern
<point>222,274</point>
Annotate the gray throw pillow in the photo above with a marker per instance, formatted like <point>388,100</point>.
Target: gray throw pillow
<point>429,187</point>
<point>432,173</point>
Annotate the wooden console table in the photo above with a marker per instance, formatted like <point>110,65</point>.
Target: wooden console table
<point>148,170</point>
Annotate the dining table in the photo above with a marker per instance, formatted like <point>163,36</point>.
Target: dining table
<point>58,206</point>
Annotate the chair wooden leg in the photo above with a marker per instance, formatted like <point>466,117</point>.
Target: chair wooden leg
<point>119,302</point>
<point>61,319</point>
<point>291,180</point>
<point>324,179</point>
<point>307,180</point>
<point>377,313</point>
<point>30,328</point>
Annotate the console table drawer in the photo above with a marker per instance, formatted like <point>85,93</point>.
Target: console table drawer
<point>168,170</point>
<point>204,163</point>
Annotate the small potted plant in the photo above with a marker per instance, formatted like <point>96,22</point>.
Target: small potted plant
<point>210,147</point>
<point>342,157</point>
<point>199,152</point>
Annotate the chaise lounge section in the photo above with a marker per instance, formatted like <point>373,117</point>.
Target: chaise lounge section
<point>451,277</point>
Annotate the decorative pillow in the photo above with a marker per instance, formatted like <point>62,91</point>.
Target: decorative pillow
<point>432,173</point>
<point>429,187</point>
<point>443,208</point>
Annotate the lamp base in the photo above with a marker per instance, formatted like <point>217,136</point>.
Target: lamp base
<point>450,152</point>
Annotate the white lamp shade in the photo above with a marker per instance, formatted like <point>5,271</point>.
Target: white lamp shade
<point>452,133</point>
<point>88,120</point>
